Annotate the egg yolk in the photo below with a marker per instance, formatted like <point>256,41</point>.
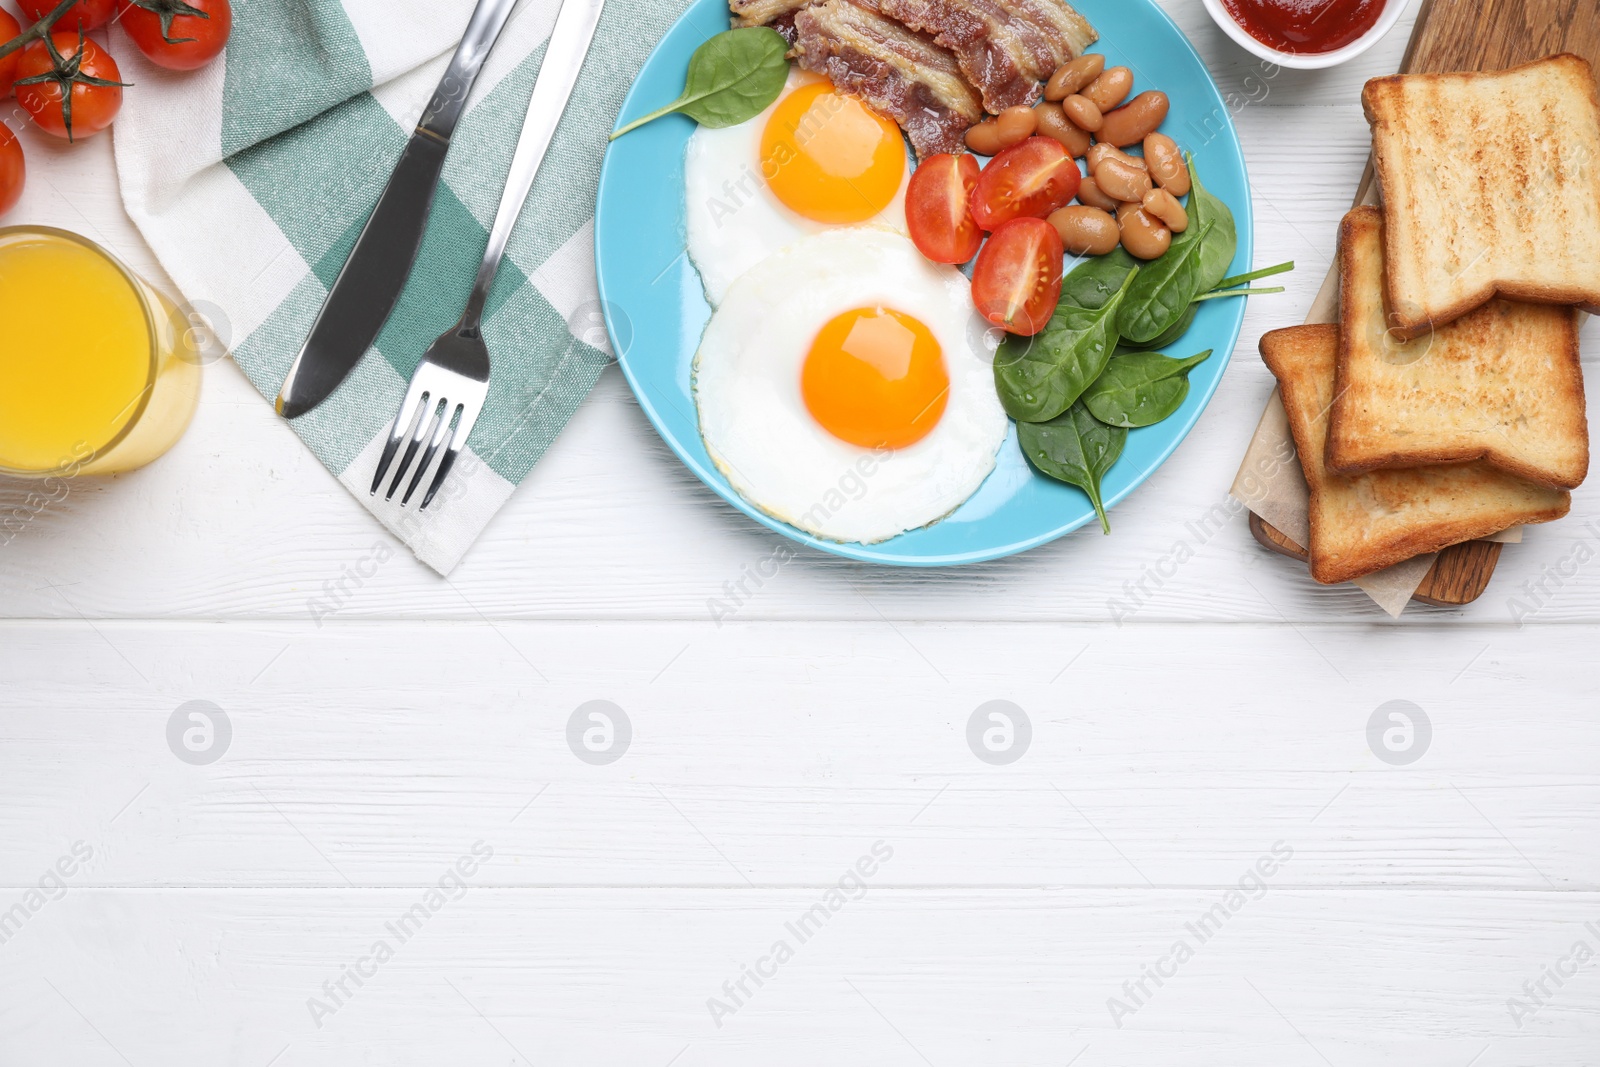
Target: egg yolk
<point>875,378</point>
<point>828,157</point>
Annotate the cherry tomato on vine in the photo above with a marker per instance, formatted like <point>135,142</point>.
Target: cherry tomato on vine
<point>85,14</point>
<point>178,34</point>
<point>1016,282</point>
<point>1031,178</point>
<point>13,170</point>
<point>936,208</point>
<point>68,60</point>
<point>9,28</point>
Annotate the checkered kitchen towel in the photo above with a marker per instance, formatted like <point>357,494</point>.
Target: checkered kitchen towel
<point>252,178</point>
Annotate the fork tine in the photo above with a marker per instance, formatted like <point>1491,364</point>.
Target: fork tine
<point>410,409</point>
<point>390,447</point>
<point>469,417</point>
<point>430,416</point>
<point>433,449</point>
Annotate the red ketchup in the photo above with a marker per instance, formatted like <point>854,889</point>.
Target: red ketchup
<point>1305,26</point>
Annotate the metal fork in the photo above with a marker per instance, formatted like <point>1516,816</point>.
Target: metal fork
<point>447,392</point>
<point>444,398</point>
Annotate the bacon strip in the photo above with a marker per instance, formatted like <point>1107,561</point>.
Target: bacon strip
<point>764,12</point>
<point>902,74</point>
<point>1006,48</point>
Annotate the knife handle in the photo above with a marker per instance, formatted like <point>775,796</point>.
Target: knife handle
<point>558,74</point>
<point>439,118</point>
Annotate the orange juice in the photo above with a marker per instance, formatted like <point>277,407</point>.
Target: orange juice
<point>90,381</point>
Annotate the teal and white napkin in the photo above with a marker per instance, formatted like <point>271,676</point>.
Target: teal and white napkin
<point>252,178</point>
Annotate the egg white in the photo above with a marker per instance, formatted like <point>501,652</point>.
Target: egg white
<point>759,432</point>
<point>733,219</point>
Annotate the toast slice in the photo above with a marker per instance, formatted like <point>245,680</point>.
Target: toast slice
<point>1501,384</point>
<point>1363,524</point>
<point>1491,184</point>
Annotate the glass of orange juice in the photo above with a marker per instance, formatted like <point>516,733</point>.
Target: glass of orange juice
<point>98,371</point>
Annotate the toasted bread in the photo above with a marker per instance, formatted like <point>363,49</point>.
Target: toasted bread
<point>1363,524</point>
<point>1491,184</point>
<point>1501,384</point>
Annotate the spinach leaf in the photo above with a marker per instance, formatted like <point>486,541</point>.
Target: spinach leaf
<point>1191,268</point>
<point>1166,287</point>
<point>1140,389</point>
<point>732,78</point>
<point>1172,333</point>
<point>1039,377</point>
<point>1096,280</point>
<point>1076,448</point>
<point>1219,245</point>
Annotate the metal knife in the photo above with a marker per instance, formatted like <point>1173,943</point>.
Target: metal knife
<point>369,286</point>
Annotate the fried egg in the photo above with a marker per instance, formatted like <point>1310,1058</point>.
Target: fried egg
<point>813,160</point>
<point>844,386</point>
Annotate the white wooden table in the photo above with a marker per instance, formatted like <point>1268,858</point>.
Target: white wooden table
<point>230,913</point>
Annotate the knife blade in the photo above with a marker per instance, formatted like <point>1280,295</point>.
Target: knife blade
<point>369,285</point>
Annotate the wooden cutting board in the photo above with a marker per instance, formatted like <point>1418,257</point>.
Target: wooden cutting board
<point>1470,35</point>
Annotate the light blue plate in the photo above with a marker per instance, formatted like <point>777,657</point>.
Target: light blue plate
<point>655,309</point>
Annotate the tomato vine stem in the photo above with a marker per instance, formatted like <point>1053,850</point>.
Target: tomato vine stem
<point>38,31</point>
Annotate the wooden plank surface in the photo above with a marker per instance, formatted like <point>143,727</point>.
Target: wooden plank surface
<point>1190,708</point>
<point>896,978</point>
<point>1411,902</point>
<point>363,754</point>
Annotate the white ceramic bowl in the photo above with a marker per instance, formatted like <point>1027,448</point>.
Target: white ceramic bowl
<point>1391,14</point>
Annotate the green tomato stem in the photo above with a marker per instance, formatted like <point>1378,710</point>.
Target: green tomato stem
<point>166,11</point>
<point>37,31</point>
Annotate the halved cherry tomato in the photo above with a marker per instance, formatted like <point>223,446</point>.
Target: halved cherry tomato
<point>1016,282</point>
<point>9,28</point>
<point>89,14</point>
<point>93,77</point>
<point>936,208</point>
<point>1028,180</point>
<point>179,34</point>
<point>13,169</point>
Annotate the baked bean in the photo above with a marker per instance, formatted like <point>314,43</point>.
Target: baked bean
<point>1089,193</point>
<point>1074,75</point>
<point>1086,231</point>
<point>1133,121</point>
<point>1110,88</point>
<point>984,138</point>
<point>1105,151</point>
<point>1143,236</point>
<point>1164,206</point>
<point>1015,124</point>
<point>1083,113</point>
<point>1166,164</point>
<point>1053,123</point>
<point>1116,178</point>
<point>1124,210</point>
